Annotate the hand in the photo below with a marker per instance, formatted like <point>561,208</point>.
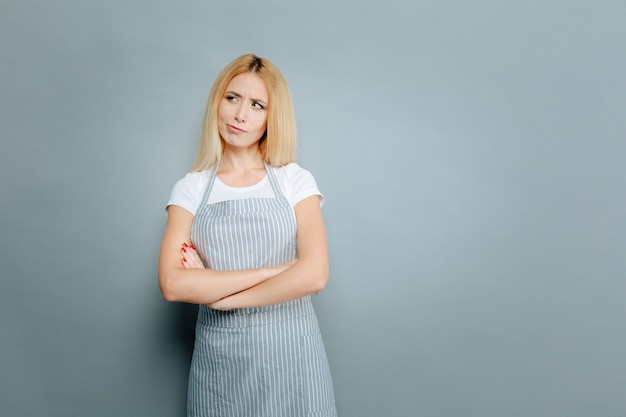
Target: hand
<point>190,257</point>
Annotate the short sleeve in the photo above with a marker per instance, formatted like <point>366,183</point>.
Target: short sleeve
<point>187,192</point>
<point>299,184</point>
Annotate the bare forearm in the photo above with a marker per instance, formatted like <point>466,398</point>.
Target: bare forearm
<point>183,276</point>
<point>296,282</point>
<point>204,286</point>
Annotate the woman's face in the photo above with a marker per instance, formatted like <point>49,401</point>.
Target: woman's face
<point>242,114</point>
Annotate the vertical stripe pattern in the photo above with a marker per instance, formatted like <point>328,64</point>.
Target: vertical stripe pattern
<point>262,361</point>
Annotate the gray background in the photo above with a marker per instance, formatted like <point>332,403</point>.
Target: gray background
<point>472,155</point>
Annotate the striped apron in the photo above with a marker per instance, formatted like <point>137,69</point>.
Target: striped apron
<point>263,361</point>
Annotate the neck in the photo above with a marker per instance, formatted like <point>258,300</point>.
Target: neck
<point>241,161</point>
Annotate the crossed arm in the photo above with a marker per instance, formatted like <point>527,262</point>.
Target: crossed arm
<point>188,281</point>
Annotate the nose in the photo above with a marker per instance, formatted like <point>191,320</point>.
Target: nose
<point>240,113</point>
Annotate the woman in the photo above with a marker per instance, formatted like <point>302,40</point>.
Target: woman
<point>258,253</point>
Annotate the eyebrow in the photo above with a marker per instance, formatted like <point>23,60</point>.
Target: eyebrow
<point>258,100</point>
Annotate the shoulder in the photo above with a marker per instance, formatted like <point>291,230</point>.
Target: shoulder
<point>188,191</point>
<point>293,172</point>
<point>296,182</point>
<point>193,179</point>
<point>192,182</point>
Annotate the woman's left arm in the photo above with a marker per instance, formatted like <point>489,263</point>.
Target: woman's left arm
<point>307,276</point>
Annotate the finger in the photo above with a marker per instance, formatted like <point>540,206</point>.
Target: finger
<point>195,257</point>
<point>187,261</point>
<point>191,258</point>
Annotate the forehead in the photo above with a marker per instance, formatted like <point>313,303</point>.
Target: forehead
<point>249,84</point>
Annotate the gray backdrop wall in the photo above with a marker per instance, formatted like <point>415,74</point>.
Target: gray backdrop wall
<point>472,155</point>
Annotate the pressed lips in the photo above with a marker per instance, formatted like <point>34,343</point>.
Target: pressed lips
<point>234,129</point>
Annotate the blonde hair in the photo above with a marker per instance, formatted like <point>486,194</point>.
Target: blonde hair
<point>278,144</point>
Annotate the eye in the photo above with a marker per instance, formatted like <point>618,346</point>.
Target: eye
<point>231,98</point>
<point>257,105</point>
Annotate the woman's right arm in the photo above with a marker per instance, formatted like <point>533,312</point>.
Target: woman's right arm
<point>198,285</point>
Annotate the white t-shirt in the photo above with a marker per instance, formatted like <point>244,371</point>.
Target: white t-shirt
<point>295,182</point>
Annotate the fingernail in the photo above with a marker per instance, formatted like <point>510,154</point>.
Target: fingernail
<point>193,247</point>
<point>184,260</point>
<point>184,250</point>
<point>185,245</point>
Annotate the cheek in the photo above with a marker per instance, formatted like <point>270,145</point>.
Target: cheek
<point>220,112</point>
<point>263,123</point>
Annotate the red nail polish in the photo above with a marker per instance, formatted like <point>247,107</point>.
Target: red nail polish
<point>184,250</point>
<point>193,247</point>
<point>185,245</point>
<point>184,260</point>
